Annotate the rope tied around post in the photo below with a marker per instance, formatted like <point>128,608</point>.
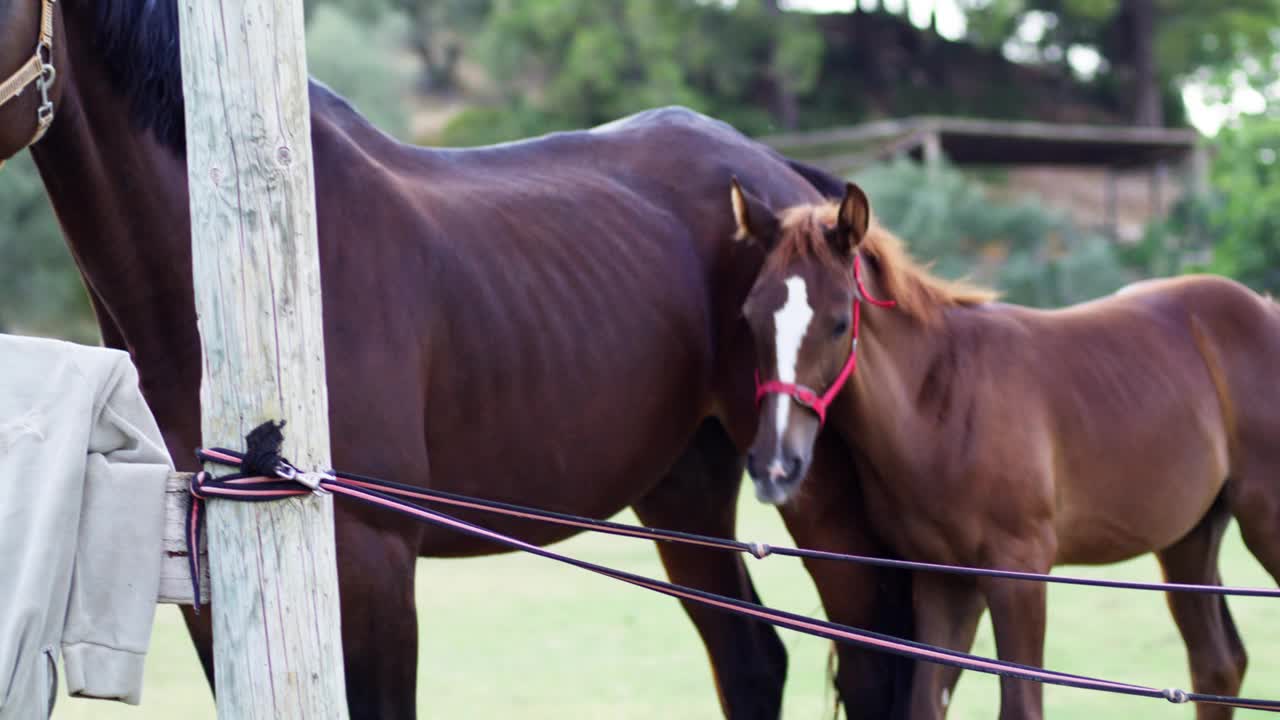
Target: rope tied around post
<point>263,475</point>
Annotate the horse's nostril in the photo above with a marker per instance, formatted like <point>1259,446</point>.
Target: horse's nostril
<point>793,467</point>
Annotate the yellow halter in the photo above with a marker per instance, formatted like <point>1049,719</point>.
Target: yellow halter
<point>38,70</point>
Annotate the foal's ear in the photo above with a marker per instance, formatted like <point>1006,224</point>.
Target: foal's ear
<point>853,219</point>
<point>756,221</point>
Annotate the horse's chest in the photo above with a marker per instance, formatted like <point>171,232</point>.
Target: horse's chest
<point>924,525</point>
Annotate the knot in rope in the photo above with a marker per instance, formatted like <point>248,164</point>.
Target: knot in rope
<point>1174,695</point>
<point>262,451</point>
<point>262,474</point>
<point>761,550</point>
<point>196,486</point>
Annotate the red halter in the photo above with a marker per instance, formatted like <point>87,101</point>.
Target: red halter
<point>807,396</point>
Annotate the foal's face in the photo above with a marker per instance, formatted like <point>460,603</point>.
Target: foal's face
<point>801,320</point>
<point>800,315</point>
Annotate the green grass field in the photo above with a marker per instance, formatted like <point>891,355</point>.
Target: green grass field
<point>520,636</point>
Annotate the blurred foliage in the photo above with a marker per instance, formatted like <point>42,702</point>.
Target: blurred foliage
<point>1218,44</point>
<point>555,64</point>
<point>573,63</point>
<point>1234,229</point>
<point>1033,255</point>
<point>40,290</point>
<point>348,52</point>
<point>1242,214</point>
<point>438,31</point>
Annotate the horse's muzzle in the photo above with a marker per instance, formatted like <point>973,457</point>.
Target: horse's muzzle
<point>775,481</point>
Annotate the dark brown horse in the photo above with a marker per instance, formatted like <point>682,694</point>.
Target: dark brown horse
<point>547,322</point>
<point>1006,437</point>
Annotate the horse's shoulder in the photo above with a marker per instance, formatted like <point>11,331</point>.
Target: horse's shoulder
<point>990,325</point>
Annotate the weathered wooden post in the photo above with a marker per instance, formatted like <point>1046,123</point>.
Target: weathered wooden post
<point>277,647</point>
<point>932,152</point>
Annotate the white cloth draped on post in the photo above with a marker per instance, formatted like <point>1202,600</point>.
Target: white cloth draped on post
<point>82,510</point>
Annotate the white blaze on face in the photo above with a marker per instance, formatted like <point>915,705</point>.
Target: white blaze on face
<point>790,324</point>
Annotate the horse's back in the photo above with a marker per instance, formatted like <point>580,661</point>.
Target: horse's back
<point>564,299</point>
<point>1145,392</point>
<point>1238,333</point>
<point>672,156</point>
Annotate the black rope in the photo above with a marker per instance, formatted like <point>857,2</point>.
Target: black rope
<point>757,549</point>
<point>262,450</point>
<point>234,487</point>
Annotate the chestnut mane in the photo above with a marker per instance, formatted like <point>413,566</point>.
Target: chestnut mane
<point>916,290</point>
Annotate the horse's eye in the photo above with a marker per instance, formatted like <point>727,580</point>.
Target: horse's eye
<point>841,327</point>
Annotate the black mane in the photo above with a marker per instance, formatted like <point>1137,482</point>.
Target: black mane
<point>138,41</point>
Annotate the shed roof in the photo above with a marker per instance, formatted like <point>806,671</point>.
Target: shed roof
<point>968,141</point>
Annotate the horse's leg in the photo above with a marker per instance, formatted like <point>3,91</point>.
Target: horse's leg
<point>1214,649</point>
<point>700,495</point>
<point>1018,619</point>
<point>200,628</point>
<point>1254,497</point>
<point>828,514</point>
<point>376,564</point>
<point>947,610</point>
<point>379,619</point>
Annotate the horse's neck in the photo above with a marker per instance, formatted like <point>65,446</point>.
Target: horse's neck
<point>891,401</point>
<point>121,200</point>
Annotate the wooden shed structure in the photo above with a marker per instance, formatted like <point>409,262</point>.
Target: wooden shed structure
<point>1114,178</point>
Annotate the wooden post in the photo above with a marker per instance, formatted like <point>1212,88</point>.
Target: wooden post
<point>932,153</point>
<point>1112,201</point>
<point>1155,191</point>
<point>175,571</point>
<point>1196,187</point>
<point>1199,169</point>
<point>274,598</point>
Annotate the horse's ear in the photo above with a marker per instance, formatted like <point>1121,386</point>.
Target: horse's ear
<point>756,221</point>
<point>853,219</point>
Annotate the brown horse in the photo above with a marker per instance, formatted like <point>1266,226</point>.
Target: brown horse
<point>1005,437</point>
<point>547,322</point>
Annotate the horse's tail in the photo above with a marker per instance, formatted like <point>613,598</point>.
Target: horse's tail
<point>831,681</point>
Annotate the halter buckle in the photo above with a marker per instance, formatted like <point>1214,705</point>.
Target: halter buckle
<point>44,51</point>
<point>47,75</point>
<point>42,61</point>
<point>309,479</point>
<point>806,396</point>
<point>313,479</point>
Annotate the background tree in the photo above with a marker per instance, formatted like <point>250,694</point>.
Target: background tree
<point>437,32</point>
<point>554,64</point>
<point>573,63</point>
<point>40,289</point>
<point>1148,48</point>
<point>340,40</point>
<point>1243,212</point>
